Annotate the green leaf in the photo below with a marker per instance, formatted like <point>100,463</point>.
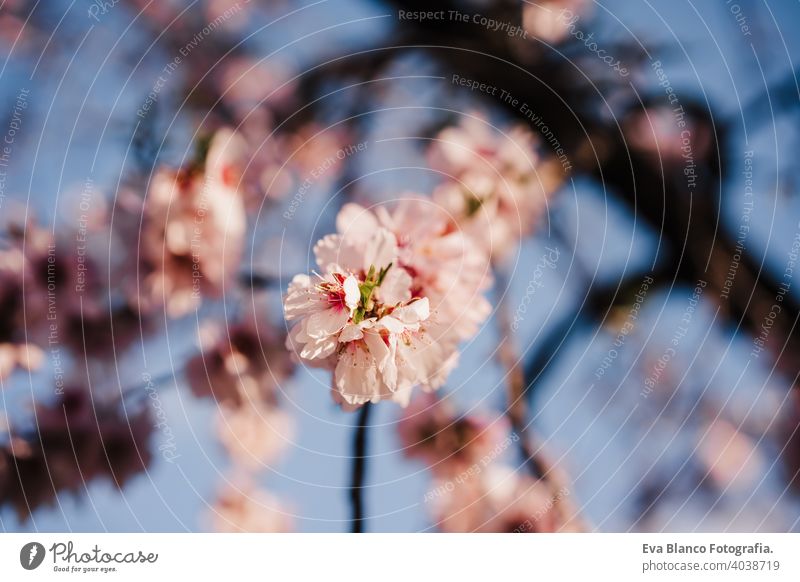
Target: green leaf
<point>358,316</point>
<point>473,205</point>
<point>366,292</point>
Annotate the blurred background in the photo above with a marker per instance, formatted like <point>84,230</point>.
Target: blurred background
<point>638,371</point>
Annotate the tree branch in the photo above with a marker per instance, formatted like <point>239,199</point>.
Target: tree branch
<point>359,469</point>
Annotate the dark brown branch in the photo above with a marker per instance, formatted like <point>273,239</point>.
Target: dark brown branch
<point>359,469</point>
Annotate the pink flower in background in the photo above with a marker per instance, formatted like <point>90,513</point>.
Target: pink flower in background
<point>449,443</point>
<point>497,182</point>
<point>193,232</point>
<point>27,356</point>
<point>77,440</point>
<point>551,20</point>
<point>238,363</point>
<point>266,174</point>
<point>730,458</point>
<point>654,133</point>
<point>318,149</point>
<point>242,507</point>
<point>520,504</point>
<point>15,351</point>
<point>253,434</point>
<point>501,500</point>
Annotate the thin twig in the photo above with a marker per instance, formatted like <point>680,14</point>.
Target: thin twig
<point>517,412</point>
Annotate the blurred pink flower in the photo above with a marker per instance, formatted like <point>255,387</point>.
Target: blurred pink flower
<point>253,434</point>
<point>432,431</point>
<point>27,356</point>
<point>75,441</point>
<point>247,84</point>
<point>730,458</point>
<point>496,182</point>
<point>318,151</point>
<point>656,133</point>
<point>550,20</point>
<point>498,500</point>
<point>242,507</point>
<point>239,363</point>
<point>55,291</point>
<point>193,232</point>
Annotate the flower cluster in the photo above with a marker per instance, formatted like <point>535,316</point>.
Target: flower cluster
<point>473,490</point>
<point>241,367</point>
<point>245,508</point>
<point>395,294</point>
<point>75,441</point>
<point>448,443</point>
<point>193,229</point>
<point>15,350</point>
<point>497,182</point>
<point>501,500</point>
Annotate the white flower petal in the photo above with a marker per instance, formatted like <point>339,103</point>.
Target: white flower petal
<point>356,376</point>
<point>356,223</point>
<point>327,322</point>
<point>384,354</point>
<point>414,312</point>
<point>351,332</point>
<point>302,298</point>
<point>380,250</point>
<point>396,286</point>
<point>392,324</point>
<point>318,349</point>
<point>352,294</point>
<point>335,251</point>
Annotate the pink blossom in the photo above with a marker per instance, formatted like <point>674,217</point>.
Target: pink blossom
<point>445,266</point>
<point>253,434</point>
<point>498,500</point>
<point>242,362</point>
<point>365,318</point>
<point>496,181</point>
<point>655,134</point>
<point>324,307</point>
<point>243,507</point>
<point>193,233</point>
<point>550,20</point>
<point>432,431</point>
<point>27,356</point>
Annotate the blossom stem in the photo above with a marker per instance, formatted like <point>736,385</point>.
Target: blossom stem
<point>359,469</point>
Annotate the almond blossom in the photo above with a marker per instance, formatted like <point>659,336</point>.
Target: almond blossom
<point>435,260</point>
<point>238,363</point>
<point>376,315</point>
<point>253,434</point>
<point>243,507</point>
<point>497,182</point>
<point>193,230</point>
<point>432,431</point>
<point>500,500</point>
